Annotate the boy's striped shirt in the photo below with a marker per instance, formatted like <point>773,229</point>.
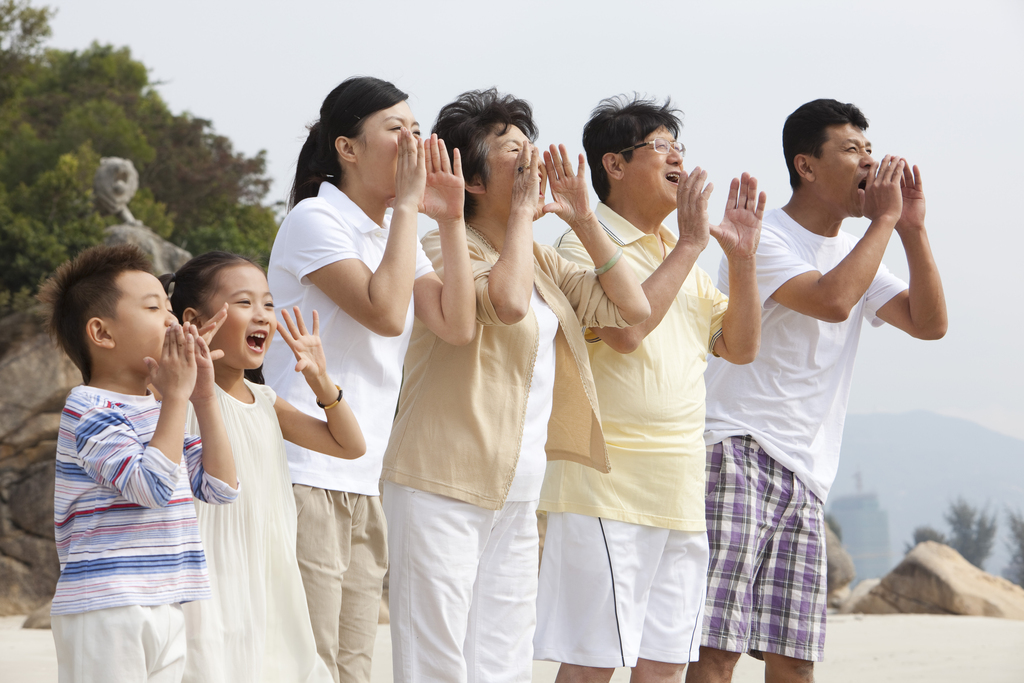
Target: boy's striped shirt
<point>124,519</point>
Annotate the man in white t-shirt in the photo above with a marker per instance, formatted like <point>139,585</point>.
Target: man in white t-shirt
<point>774,427</point>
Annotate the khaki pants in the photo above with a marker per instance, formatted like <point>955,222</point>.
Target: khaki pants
<point>343,556</point>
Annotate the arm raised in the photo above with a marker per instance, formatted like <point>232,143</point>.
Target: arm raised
<point>379,300</point>
<point>447,307</point>
<point>571,204</point>
<point>831,296</point>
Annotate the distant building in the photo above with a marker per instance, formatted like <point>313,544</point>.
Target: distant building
<point>865,530</point>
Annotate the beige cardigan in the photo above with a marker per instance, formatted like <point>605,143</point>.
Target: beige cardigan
<point>462,409</point>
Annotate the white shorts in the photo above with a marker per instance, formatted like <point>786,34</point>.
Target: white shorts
<point>121,645</point>
<point>611,592</point>
<point>463,588</point>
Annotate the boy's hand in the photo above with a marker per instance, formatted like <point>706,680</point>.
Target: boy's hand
<point>309,353</point>
<point>205,385</point>
<point>209,330</point>
<point>175,375</point>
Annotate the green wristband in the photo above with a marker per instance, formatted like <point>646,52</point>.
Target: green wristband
<point>611,262</point>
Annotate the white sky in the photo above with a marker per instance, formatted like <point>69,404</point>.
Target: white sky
<point>941,83</point>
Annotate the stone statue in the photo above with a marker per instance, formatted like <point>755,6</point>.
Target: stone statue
<point>115,183</point>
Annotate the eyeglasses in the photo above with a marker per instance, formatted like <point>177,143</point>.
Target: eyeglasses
<point>660,146</point>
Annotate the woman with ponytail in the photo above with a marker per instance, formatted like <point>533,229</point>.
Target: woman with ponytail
<point>339,252</point>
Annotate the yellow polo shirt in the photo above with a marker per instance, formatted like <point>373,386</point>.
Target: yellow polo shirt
<point>652,401</point>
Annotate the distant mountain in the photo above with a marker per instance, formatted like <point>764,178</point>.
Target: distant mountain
<point>918,462</point>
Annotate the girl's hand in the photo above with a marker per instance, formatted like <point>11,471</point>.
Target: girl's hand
<point>411,172</point>
<point>445,192</point>
<point>209,331</point>
<point>308,350</point>
<point>568,190</point>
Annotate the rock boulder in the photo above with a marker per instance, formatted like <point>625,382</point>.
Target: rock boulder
<point>935,579</point>
<point>841,571</point>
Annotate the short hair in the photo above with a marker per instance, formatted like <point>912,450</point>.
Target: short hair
<point>620,122</point>
<point>466,123</point>
<point>83,288</point>
<point>806,130</point>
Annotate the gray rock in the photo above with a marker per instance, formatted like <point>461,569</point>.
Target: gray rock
<point>855,603</point>
<point>166,257</point>
<point>841,571</point>
<point>935,579</point>
<point>31,500</point>
<point>36,377</point>
<point>41,427</point>
<point>39,617</point>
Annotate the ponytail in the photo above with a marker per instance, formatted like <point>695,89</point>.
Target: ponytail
<point>317,162</point>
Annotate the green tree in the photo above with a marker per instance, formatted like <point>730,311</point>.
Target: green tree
<point>1015,571</point>
<point>922,534</point>
<point>60,111</point>
<point>972,532</point>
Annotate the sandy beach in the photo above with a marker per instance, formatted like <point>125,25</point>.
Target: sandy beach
<point>859,648</point>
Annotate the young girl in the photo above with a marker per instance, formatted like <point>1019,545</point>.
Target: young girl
<point>256,627</point>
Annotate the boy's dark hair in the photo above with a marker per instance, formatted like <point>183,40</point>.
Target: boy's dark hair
<point>620,122</point>
<point>466,123</point>
<point>806,130</point>
<point>194,283</point>
<point>83,288</point>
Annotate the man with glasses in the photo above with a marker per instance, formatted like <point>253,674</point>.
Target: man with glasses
<point>625,557</point>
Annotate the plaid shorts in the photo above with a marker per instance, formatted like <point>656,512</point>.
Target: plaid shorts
<point>766,582</point>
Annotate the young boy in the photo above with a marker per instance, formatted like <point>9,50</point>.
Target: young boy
<point>124,520</point>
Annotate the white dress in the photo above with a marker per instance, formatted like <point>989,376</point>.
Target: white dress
<point>256,627</point>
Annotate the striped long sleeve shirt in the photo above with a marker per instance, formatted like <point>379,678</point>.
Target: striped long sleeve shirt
<point>124,519</point>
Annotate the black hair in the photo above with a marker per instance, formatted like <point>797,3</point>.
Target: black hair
<point>806,130</point>
<point>341,115</point>
<point>465,124</point>
<point>192,285</point>
<point>84,288</point>
<point>620,122</point>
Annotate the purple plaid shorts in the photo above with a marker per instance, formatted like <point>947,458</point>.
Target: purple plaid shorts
<point>766,582</point>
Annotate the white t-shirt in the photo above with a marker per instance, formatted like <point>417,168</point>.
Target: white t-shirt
<point>793,398</point>
<point>368,367</point>
<point>533,459</point>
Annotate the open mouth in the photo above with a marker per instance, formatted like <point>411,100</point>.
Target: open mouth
<point>256,341</point>
<point>862,184</point>
<point>672,178</point>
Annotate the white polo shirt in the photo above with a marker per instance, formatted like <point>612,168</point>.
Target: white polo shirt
<point>317,232</point>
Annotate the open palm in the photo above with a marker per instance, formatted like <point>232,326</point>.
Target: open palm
<point>305,345</point>
<point>740,230</point>
<point>445,193</point>
<point>568,190</point>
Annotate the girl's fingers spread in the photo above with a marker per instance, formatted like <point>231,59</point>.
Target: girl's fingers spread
<point>316,323</point>
<point>299,321</point>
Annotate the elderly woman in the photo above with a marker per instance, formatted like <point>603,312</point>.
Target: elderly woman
<point>476,424</point>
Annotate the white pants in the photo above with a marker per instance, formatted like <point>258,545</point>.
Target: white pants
<point>463,588</point>
<point>612,592</point>
<point>121,645</point>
